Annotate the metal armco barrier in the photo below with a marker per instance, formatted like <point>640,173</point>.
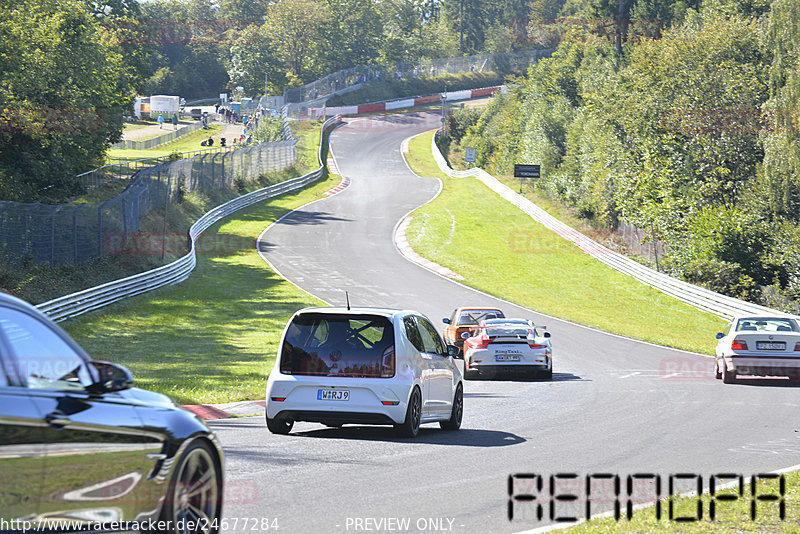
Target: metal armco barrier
<point>699,297</point>
<point>96,297</point>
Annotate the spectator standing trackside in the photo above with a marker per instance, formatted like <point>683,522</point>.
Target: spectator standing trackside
<point>174,121</point>
<point>160,121</point>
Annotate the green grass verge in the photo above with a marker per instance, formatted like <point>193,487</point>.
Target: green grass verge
<point>187,143</point>
<point>502,251</point>
<point>212,338</point>
<point>730,516</point>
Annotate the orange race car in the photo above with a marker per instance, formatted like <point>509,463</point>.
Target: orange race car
<point>466,319</point>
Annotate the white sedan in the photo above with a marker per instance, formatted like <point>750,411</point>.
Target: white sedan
<point>508,345</point>
<point>759,346</point>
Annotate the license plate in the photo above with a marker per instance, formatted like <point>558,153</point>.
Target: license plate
<point>333,394</point>
<point>774,345</point>
<point>506,357</point>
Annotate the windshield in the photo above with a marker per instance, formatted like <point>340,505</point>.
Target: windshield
<point>473,317</point>
<point>319,344</point>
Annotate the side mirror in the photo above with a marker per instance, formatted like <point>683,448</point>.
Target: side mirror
<point>465,335</point>
<point>446,320</point>
<point>546,334</point>
<point>108,377</point>
<point>454,352</point>
<point>720,335</point>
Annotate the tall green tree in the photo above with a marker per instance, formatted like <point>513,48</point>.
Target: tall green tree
<point>62,92</point>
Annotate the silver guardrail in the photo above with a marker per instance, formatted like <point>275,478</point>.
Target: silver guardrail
<point>699,297</point>
<point>179,270</point>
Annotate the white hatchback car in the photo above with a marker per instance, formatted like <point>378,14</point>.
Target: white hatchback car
<point>759,346</point>
<point>365,366</point>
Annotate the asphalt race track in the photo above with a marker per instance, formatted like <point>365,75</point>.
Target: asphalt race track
<point>614,405</point>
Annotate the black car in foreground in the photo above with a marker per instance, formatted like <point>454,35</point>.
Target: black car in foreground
<point>82,449</point>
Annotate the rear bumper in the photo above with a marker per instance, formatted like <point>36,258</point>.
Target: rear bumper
<point>763,365</point>
<point>508,368</point>
<point>317,416</point>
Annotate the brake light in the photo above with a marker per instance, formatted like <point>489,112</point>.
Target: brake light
<point>739,344</point>
<point>387,363</point>
<point>797,347</point>
<point>278,399</point>
<point>482,342</point>
<point>390,403</point>
<point>537,346</point>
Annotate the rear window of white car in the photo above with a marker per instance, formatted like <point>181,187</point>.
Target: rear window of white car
<point>521,331</point>
<point>758,324</point>
<point>343,345</point>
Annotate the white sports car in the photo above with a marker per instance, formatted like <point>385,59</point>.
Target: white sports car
<point>508,345</point>
<point>759,346</point>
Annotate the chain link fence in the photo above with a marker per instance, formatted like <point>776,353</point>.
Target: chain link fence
<point>425,68</point>
<point>63,234</point>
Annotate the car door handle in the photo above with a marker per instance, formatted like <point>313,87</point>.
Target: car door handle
<point>57,419</point>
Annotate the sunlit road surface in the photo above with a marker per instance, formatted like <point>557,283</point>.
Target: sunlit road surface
<point>614,405</point>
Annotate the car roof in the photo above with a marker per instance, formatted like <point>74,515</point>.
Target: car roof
<point>466,308</point>
<point>10,300</point>
<point>765,317</point>
<point>341,310</point>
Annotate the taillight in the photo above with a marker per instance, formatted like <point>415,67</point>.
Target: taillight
<point>387,363</point>
<point>739,344</point>
<point>278,399</point>
<point>482,342</point>
<point>537,346</point>
<point>390,403</point>
<point>797,347</point>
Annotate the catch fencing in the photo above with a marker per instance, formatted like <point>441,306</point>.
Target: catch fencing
<point>699,297</point>
<point>425,68</point>
<point>177,271</point>
<point>154,142</point>
<point>76,233</point>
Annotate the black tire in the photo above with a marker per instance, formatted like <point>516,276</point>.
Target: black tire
<point>279,426</point>
<point>469,374</point>
<point>195,486</point>
<point>717,372</point>
<point>728,377</point>
<point>454,423</point>
<point>410,427</point>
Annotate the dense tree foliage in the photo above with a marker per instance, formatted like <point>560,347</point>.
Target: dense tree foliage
<point>63,85</point>
<point>691,133</point>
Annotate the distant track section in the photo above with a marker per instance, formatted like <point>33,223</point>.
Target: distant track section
<point>376,107</point>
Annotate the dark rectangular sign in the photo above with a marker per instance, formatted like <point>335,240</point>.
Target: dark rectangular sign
<point>526,171</point>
